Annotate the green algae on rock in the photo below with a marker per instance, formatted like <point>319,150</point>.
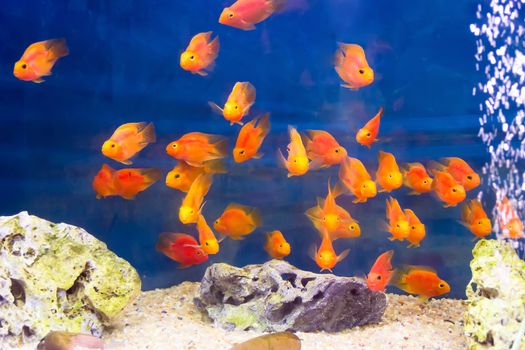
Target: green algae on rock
<point>57,277</point>
<point>496,297</point>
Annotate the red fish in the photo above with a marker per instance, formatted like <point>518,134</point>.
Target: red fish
<point>244,14</point>
<point>250,139</point>
<point>323,149</point>
<point>129,182</point>
<point>367,135</point>
<point>381,272</point>
<point>182,248</point>
<point>103,182</point>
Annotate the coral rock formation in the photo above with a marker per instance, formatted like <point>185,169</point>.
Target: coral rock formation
<point>496,298</point>
<point>277,297</point>
<point>57,277</point>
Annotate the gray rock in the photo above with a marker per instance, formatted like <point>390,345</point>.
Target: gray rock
<point>57,277</point>
<point>276,297</point>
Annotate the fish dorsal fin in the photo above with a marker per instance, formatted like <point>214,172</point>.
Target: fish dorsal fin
<point>410,268</point>
<point>235,206</point>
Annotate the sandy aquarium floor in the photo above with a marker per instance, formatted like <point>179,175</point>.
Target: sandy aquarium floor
<point>167,319</point>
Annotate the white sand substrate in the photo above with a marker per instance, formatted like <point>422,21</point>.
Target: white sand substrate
<point>167,319</point>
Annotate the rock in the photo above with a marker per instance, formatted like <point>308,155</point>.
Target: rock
<point>276,297</point>
<point>496,297</point>
<point>57,277</point>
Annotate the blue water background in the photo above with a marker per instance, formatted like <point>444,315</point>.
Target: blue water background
<point>123,67</point>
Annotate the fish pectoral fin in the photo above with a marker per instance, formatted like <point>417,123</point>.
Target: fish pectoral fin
<point>202,73</point>
<point>38,81</point>
<point>127,162</point>
<point>182,267</point>
<point>191,246</point>
<point>413,193</point>
<point>258,156</point>
<point>247,26</point>
<point>239,123</point>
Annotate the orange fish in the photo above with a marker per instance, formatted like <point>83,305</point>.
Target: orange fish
<point>509,221</point>
<point>297,162</point>
<point>200,54</point>
<point>475,219</point>
<point>352,67</point>
<point>238,103</point>
<point>388,175</point>
<point>182,175</point>
<point>398,224</point>
<point>207,240</point>
<point>276,245</point>
<point>447,189</point>
<point>182,248</point>
<point>461,172</point>
<point>128,140</point>
<point>367,135</point>
<point>333,219</point>
<point>325,257</point>
<point>196,148</point>
<point>323,149</point>
<point>244,14</point>
<point>416,178</point>
<point>129,182</point>
<point>355,178</point>
<point>39,58</point>
<point>381,272</point>
<point>250,139</point>
<point>192,203</point>
<point>417,230</point>
<point>419,280</point>
<point>237,221</point>
<point>103,182</point>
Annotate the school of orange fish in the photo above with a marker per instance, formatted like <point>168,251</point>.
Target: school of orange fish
<point>200,156</point>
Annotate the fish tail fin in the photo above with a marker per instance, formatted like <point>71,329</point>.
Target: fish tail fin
<point>215,166</point>
<point>221,147</point>
<point>278,5</point>
<point>151,175</point>
<point>57,48</point>
<point>434,166</point>
<point>256,217</point>
<point>147,134</point>
<point>281,159</point>
<point>465,213</point>
<point>264,123</point>
<point>338,189</point>
<point>398,277</point>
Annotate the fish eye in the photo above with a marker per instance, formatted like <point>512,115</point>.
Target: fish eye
<point>469,177</point>
<point>352,227</point>
<point>390,176</point>
<point>177,176</point>
<point>206,243</point>
<point>454,190</point>
<point>425,182</point>
<point>379,277</point>
<point>217,221</point>
<point>295,160</point>
<point>113,145</point>
<point>479,222</point>
<point>236,107</point>
<point>24,66</point>
<point>397,225</point>
<point>361,71</point>
<point>241,152</point>
<point>192,57</point>
<point>174,145</point>
<point>441,285</point>
<point>198,252</point>
<point>368,135</point>
<point>230,15</point>
<point>413,227</point>
<point>280,245</point>
<point>337,150</point>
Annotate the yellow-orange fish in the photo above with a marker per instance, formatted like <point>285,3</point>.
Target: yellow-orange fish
<point>509,221</point>
<point>238,103</point>
<point>388,175</point>
<point>129,182</point>
<point>323,149</point>
<point>182,175</point>
<point>475,219</point>
<point>104,182</point>
<point>39,58</point>
<point>461,172</point>
<point>237,221</point>
<point>397,221</point>
<point>250,139</point>
<point>325,257</point>
<point>352,67</point>
<point>297,161</point>
<point>192,203</point>
<point>417,231</point>
<point>356,179</point>
<point>416,178</point>
<point>201,53</point>
<point>419,280</point>
<point>196,148</point>
<point>367,135</point>
<point>276,245</point>
<point>128,140</point>
<point>447,189</point>
<point>207,240</point>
